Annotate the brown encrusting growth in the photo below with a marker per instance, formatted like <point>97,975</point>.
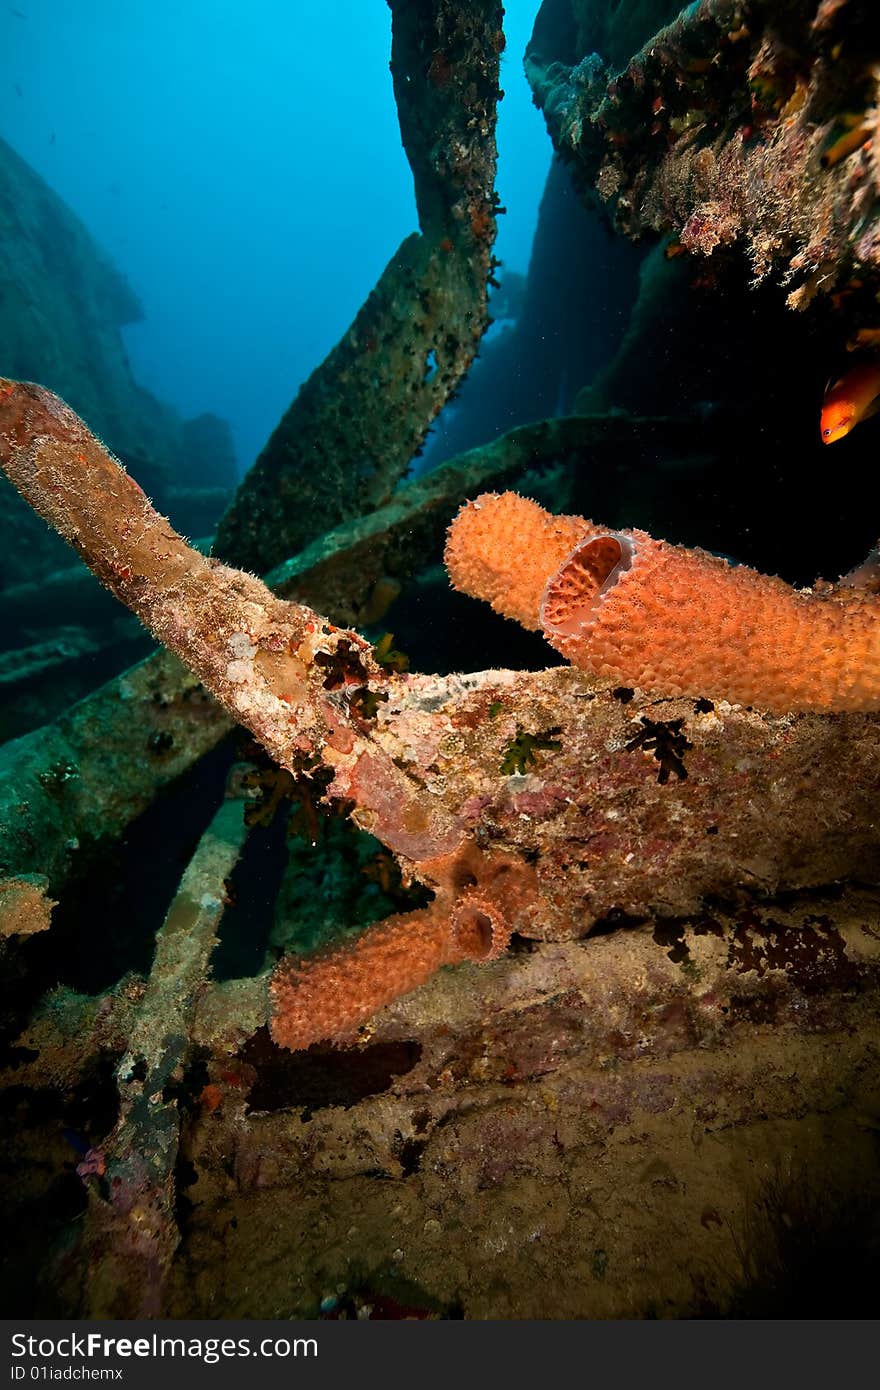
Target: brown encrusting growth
<point>25,906</point>
<point>666,619</point>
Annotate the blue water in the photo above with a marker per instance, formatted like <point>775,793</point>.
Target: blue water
<point>242,164</point>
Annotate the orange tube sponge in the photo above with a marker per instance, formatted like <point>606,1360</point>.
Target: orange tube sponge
<point>480,929</point>
<point>328,995</point>
<point>491,530</point>
<point>667,619</point>
<point>481,898</point>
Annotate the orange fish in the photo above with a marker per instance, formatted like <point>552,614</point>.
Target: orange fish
<point>850,400</point>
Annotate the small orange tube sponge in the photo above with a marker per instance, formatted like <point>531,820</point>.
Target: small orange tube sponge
<point>481,899</point>
<point>328,995</point>
<point>667,619</point>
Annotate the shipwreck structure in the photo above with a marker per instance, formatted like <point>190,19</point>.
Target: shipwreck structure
<point>653,870</point>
